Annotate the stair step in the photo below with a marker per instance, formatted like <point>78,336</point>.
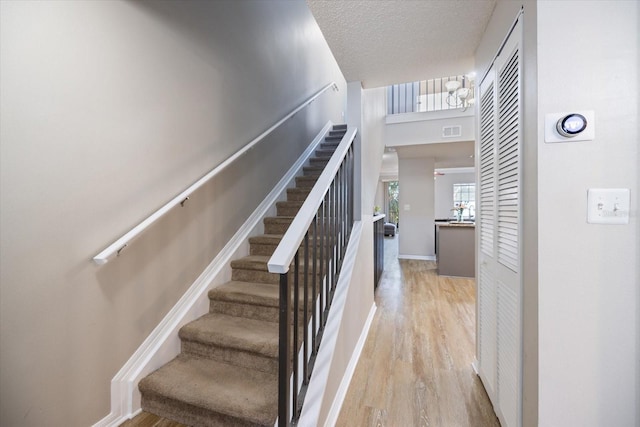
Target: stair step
<point>266,244</point>
<point>289,208</point>
<point>297,194</point>
<point>254,268</point>
<point>251,262</point>
<point>277,224</point>
<point>330,145</point>
<point>202,392</point>
<point>319,161</point>
<point>312,170</point>
<point>336,138</point>
<point>341,127</point>
<point>239,341</point>
<point>339,132</point>
<point>325,152</point>
<point>245,299</point>
<point>259,301</point>
<point>306,181</point>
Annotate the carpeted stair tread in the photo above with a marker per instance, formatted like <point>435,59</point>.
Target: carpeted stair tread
<point>278,219</point>
<point>257,263</point>
<point>263,294</point>
<point>331,145</point>
<point>268,239</point>
<point>233,332</point>
<point>250,300</point>
<point>212,387</point>
<point>298,193</point>
<point>312,170</point>
<point>325,152</point>
<point>306,181</point>
<point>252,262</point>
<point>291,207</point>
<point>333,137</point>
<point>291,203</point>
<point>319,161</point>
<point>274,239</point>
<point>277,224</point>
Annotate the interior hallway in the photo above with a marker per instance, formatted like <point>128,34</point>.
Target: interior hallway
<point>415,368</point>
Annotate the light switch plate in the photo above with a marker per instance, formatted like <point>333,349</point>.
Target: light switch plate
<point>608,206</point>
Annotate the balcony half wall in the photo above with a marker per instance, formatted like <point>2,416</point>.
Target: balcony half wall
<point>430,127</point>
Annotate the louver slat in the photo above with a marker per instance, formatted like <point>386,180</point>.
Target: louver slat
<point>487,180</point>
<point>508,164</point>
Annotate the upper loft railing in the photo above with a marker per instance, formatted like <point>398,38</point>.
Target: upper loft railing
<point>119,245</point>
<point>309,260</point>
<point>431,95</point>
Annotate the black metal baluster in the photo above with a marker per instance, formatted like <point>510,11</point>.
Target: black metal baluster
<point>284,361</point>
<point>294,352</point>
<point>322,270</point>
<point>344,207</point>
<point>340,210</point>
<point>305,316</point>
<point>334,237</point>
<point>326,242</point>
<point>314,287</point>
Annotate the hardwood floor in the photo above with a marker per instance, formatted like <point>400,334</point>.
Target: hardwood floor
<point>146,419</point>
<point>415,368</point>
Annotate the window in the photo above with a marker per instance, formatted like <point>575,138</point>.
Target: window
<point>392,198</point>
<point>465,195</point>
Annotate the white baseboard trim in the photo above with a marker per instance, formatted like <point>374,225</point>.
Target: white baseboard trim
<point>418,257</point>
<point>474,365</point>
<point>163,343</point>
<point>334,412</point>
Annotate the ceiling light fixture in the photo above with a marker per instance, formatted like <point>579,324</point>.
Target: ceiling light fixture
<point>460,93</point>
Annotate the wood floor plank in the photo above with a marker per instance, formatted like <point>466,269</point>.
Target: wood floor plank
<point>415,368</point>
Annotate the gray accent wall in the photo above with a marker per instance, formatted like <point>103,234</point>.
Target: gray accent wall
<point>108,110</point>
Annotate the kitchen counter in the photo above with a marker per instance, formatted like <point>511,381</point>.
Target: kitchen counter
<point>455,249</point>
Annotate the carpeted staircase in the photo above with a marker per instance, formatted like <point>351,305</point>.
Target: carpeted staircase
<point>227,371</point>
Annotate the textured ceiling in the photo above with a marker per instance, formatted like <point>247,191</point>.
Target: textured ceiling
<point>382,42</point>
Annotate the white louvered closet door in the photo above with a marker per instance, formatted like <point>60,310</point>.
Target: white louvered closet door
<point>499,226</point>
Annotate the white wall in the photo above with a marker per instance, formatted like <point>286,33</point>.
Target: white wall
<point>108,110</point>
<point>444,191</point>
<point>589,283</point>
<point>373,127</point>
<point>417,214</point>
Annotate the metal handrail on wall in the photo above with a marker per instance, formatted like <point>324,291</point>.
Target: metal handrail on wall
<point>309,259</point>
<point>119,245</point>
